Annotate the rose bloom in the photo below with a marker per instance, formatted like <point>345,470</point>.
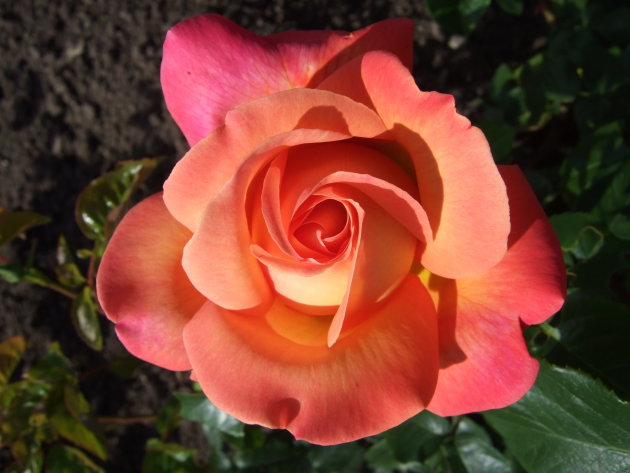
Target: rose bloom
<point>337,251</point>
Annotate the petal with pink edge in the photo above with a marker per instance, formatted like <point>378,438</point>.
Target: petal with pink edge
<point>142,287</point>
<point>460,188</point>
<point>484,362</point>
<point>277,371</point>
<point>202,82</point>
<point>530,282</point>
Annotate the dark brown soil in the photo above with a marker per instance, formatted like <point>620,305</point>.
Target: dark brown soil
<point>79,91</point>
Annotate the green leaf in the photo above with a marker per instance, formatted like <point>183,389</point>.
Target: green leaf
<point>214,422</point>
<point>596,158</point>
<point>276,456</point>
<point>67,459</point>
<point>162,457</point>
<point>560,71</point>
<point>534,101</point>
<point>595,330</point>
<point>168,417</point>
<point>125,366</point>
<point>432,423</point>
<point>11,352</point>
<point>13,224</point>
<point>422,432</point>
<point>381,458</point>
<point>594,275</point>
<point>577,234</point>
<point>12,273</point>
<point>568,422</point>
<point>620,226</point>
<point>500,81</point>
<point>67,271</point>
<point>500,135</point>
<point>458,16</point>
<point>336,458</point>
<point>513,7</point>
<point>86,320</point>
<point>74,400</point>
<point>445,460</point>
<point>100,205</point>
<point>611,21</point>
<point>29,458</point>
<point>476,451</point>
<point>53,366</point>
<point>616,190</point>
<point>77,433</point>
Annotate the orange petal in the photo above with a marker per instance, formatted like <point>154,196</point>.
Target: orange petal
<point>381,260</point>
<point>276,370</point>
<point>484,362</point>
<point>206,168</point>
<point>460,187</point>
<point>142,286</point>
<point>530,282</point>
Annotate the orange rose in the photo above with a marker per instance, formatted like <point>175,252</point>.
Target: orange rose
<point>337,251</point>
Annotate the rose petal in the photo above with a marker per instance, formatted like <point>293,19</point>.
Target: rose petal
<point>373,379</point>
<point>313,288</point>
<point>206,168</point>
<point>202,81</point>
<point>484,363</point>
<point>459,185</point>
<point>218,259</point>
<point>310,56</point>
<point>530,282</point>
<point>142,286</point>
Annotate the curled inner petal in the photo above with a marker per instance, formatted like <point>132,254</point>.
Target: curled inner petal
<point>323,230</point>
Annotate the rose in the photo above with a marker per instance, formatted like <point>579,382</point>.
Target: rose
<point>337,251</point>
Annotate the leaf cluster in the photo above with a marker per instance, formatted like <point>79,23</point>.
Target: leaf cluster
<point>45,420</point>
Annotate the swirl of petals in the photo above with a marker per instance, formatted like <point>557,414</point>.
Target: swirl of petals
<point>315,177</point>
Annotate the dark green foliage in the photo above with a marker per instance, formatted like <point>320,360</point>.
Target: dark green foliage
<point>46,408</point>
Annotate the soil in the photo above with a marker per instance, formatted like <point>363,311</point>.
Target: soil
<point>80,91</point>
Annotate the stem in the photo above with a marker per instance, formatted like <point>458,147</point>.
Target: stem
<point>54,286</point>
<point>90,271</point>
<point>550,331</point>
<point>125,420</point>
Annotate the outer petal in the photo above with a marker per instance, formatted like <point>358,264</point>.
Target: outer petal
<point>202,80</point>
<point>310,56</point>
<point>459,185</point>
<point>530,282</point>
<point>485,363</point>
<point>206,168</point>
<point>142,286</point>
<point>376,377</point>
